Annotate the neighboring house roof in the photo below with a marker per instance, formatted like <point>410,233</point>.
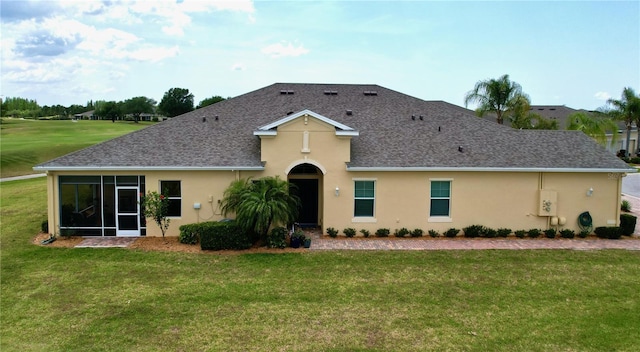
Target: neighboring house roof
<point>86,113</point>
<point>558,113</point>
<point>390,131</point>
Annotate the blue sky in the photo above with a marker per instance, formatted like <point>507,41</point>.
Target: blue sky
<point>576,53</point>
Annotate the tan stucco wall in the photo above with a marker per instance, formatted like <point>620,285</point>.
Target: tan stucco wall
<point>494,199</point>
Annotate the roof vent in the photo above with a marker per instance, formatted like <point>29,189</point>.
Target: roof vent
<point>289,113</point>
<point>286,92</point>
<point>370,92</point>
<point>216,118</point>
<point>330,92</point>
<point>421,118</point>
<point>413,117</point>
<point>349,112</point>
<point>204,119</point>
<point>460,149</point>
<point>438,128</point>
<point>552,109</point>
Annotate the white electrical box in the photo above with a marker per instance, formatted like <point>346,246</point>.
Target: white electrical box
<point>196,205</point>
<point>547,203</point>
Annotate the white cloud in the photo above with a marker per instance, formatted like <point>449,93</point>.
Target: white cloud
<point>602,95</point>
<point>282,50</point>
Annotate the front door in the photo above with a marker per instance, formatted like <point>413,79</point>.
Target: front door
<point>128,211</point>
<point>307,190</point>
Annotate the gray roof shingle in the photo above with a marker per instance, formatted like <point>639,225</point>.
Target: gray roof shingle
<point>221,135</point>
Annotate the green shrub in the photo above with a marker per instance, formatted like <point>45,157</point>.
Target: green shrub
<point>452,232</point>
<point>503,232</point>
<point>635,160</point>
<point>520,233</point>
<point>382,232</point>
<point>44,226</point>
<point>223,235</point>
<point>627,224</point>
<point>583,233</point>
<point>434,233</point>
<point>402,232</point>
<point>189,233</point>
<point>417,233</point>
<point>277,238</point>
<point>332,232</point>
<point>534,233</point>
<point>473,231</point>
<point>365,233</point>
<point>567,233</point>
<point>625,206</point>
<point>489,232</point>
<point>349,232</point>
<point>610,232</point>
<point>550,233</point>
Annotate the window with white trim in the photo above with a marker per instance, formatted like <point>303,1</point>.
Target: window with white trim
<point>173,191</point>
<point>440,199</point>
<point>364,198</point>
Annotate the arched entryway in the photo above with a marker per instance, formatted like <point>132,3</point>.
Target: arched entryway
<point>307,179</point>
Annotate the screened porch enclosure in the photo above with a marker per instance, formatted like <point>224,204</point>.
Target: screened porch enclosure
<point>101,205</point>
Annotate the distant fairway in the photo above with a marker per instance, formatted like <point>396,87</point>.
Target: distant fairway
<point>26,143</point>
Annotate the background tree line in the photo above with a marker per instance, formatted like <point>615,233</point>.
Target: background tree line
<point>175,101</point>
<point>506,100</point>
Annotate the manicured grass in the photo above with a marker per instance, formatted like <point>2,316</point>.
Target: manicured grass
<point>126,300</point>
<point>26,143</point>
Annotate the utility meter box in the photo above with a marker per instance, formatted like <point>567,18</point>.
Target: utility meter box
<point>547,203</point>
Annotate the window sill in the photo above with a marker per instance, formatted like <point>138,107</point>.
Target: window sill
<point>364,220</point>
<point>440,219</point>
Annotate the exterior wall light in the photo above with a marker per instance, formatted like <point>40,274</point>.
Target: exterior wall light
<point>590,192</point>
<point>337,191</point>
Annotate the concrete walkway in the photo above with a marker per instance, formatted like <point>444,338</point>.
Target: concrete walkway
<point>23,177</point>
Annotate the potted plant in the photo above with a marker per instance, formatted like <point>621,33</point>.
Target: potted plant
<point>297,238</point>
<point>307,242</point>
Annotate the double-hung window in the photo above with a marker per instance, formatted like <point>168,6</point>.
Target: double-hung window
<point>440,205</point>
<point>364,198</point>
<point>173,191</point>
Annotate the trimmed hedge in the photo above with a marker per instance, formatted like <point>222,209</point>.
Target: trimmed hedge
<point>189,233</point>
<point>473,231</point>
<point>610,232</point>
<point>277,238</point>
<point>628,224</point>
<point>223,235</point>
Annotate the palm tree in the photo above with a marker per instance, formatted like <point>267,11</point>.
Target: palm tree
<point>497,96</point>
<point>594,126</point>
<point>259,204</point>
<point>627,109</point>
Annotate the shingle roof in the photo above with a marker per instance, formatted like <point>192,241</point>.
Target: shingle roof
<point>221,135</point>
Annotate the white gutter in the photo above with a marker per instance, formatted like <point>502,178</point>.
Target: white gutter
<point>488,169</point>
<point>149,168</point>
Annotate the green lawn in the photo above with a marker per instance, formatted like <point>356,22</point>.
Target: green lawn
<point>127,300</point>
<point>26,143</point>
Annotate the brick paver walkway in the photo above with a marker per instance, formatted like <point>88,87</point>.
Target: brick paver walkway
<point>106,242</point>
<point>325,243</point>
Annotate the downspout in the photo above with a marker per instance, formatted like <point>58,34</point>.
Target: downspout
<point>619,197</point>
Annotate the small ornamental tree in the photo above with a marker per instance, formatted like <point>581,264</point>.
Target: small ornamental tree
<point>156,206</point>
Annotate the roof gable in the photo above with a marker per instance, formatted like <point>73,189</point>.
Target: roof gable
<point>271,129</point>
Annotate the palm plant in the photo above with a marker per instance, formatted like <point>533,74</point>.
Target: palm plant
<point>496,95</point>
<point>260,203</point>
<point>594,126</point>
<point>627,109</point>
